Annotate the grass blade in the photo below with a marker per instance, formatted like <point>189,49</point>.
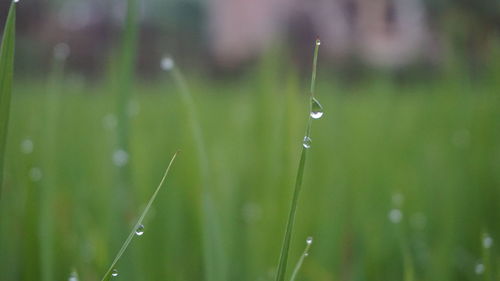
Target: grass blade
<point>214,256</point>
<point>139,221</point>
<point>6,74</point>
<point>301,259</point>
<point>280,275</point>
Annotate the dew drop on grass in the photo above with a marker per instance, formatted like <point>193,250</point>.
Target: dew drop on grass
<point>316,109</point>
<point>114,273</point>
<point>140,230</point>
<point>167,63</point>
<point>120,158</point>
<point>309,240</point>
<point>16,1</point>
<point>307,142</point>
<point>36,174</point>
<point>395,215</point>
<point>487,242</point>
<point>27,146</point>
<point>479,268</point>
<point>318,42</point>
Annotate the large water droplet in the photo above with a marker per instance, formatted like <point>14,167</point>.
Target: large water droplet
<point>114,273</point>
<point>316,109</point>
<point>140,230</point>
<point>307,142</point>
<point>120,158</point>
<point>309,240</point>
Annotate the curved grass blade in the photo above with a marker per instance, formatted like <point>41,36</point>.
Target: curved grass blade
<point>139,221</point>
<point>6,74</point>
<point>215,260</point>
<point>280,275</point>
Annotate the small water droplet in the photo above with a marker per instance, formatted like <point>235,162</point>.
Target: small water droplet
<point>27,146</point>
<point>73,276</point>
<point>309,240</point>
<point>306,254</point>
<point>36,174</point>
<point>316,109</point>
<point>487,241</point>
<point>307,142</point>
<point>167,63</point>
<point>114,273</point>
<point>318,42</point>
<point>479,268</point>
<point>140,230</point>
<point>16,1</point>
<point>120,158</point>
<point>395,215</point>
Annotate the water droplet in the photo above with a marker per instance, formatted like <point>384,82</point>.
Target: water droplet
<point>61,51</point>
<point>307,142</point>
<point>316,109</point>
<point>479,268</point>
<point>309,240</point>
<point>120,158</point>
<point>114,273</point>
<point>36,174</point>
<point>73,276</point>
<point>306,254</point>
<point>395,215</point>
<point>167,63</point>
<point>27,146</point>
<point>140,230</point>
<point>318,42</point>
<point>487,241</point>
<point>16,1</point>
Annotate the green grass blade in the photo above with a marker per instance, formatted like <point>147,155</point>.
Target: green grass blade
<point>301,259</point>
<point>281,272</point>
<point>6,74</point>
<point>213,250</point>
<point>139,221</point>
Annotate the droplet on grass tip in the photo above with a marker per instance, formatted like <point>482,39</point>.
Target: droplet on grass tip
<point>307,142</point>
<point>16,1</point>
<point>318,42</point>
<point>316,109</point>
<point>27,146</point>
<point>487,241</point>
<point>167,63</point>
<point>114,273</point>
<point>140,230</point>
<point>309,240</point>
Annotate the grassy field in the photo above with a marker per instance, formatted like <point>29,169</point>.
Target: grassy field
<point>401,183</point>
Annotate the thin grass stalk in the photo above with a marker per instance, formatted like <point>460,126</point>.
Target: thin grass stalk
<point>139,221</point>
<point>46,220</point>
<point>214,256</point>
<point>6,75</point>
<point>301,259</point>
<point>281,272</point>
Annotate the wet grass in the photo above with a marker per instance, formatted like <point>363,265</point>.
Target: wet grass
<point>436,144</point>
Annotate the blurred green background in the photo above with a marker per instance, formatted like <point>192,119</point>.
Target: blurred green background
<point>402,181</point>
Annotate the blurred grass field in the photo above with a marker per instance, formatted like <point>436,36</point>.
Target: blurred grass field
<point>430,150</point>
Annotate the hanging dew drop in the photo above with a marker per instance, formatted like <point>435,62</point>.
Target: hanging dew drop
<point>16,1</point>
<point>318,42</point>
<point>316,109</point>
<point>114,273</point>
<point>307,142</point>
<point>309,240</point>
<point>140,230</point>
